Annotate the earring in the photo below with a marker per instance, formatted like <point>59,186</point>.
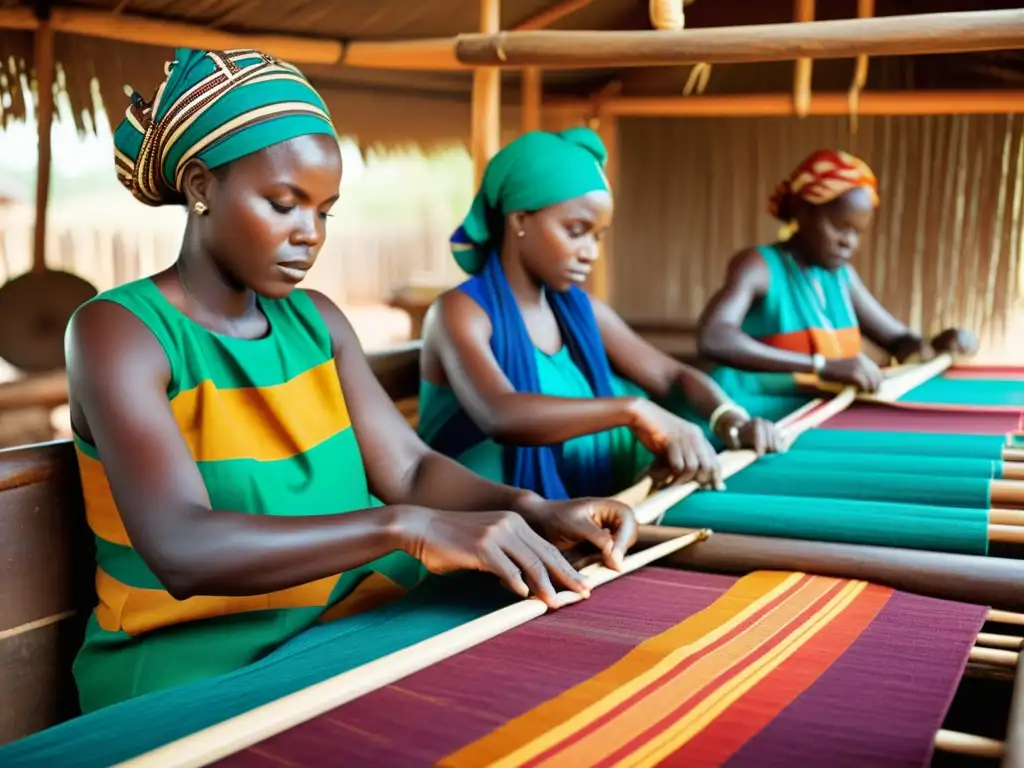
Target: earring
<point>521,233</point>
<point>200,208</point>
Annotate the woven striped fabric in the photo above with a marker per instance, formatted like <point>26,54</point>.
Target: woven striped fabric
<point>665,667</point>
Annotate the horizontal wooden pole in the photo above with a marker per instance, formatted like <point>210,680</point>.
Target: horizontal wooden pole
<point>846,38</point>
<point>425,54</point>
<point>879,103</point>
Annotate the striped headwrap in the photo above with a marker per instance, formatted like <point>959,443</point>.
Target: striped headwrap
<point>821,178</point>
<point>216,106</point>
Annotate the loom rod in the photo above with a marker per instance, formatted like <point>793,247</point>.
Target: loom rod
<point>968,578</point>
<point>1014,752</point>
<point>236,733</point>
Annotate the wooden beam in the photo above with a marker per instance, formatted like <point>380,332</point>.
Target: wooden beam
<point>424,54</point>
<point>545,17</point>
<point>533,99</point>
<point>601,276</point>
<point>44,65</point>
<point>803,12</point>
<point>485,136</point>
<point>879,103</point>
<point>846,38</point>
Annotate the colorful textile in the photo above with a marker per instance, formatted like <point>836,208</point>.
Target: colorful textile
<point>823,177</point>
<point>268,427</point>
<point>858,478</point>
<point>871,417</point>
<point>215,106</point>
<point>700,670</point>
<point>125,730</point>
<point>537,170</point>
<point>807,309</point>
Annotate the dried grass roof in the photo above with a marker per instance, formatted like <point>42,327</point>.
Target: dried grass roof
<point>386,106</point>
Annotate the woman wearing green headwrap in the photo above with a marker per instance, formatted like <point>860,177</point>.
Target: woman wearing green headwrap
<point>528,380</point>
<point>223,419</point>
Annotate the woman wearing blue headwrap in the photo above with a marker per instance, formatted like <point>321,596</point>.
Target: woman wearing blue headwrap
<point>528,380</point>
<point>234,445</point>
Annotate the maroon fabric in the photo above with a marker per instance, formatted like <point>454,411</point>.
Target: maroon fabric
<point>881,418</point>
<point>879,705</point>
<point>892,688</point>
<point>432,713</point>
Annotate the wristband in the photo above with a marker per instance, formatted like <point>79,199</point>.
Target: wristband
<point>724,408</point>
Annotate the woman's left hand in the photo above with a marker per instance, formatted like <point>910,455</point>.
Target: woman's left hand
<point>955,341</point>
<point>757,434</point>
<point>609,525</point>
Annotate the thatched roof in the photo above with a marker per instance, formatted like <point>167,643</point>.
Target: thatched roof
<point>429,107</point>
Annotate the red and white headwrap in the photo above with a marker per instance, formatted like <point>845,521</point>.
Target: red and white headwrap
<point>821,178</point>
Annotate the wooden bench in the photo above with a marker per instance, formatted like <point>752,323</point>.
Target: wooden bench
<point>47,566</point>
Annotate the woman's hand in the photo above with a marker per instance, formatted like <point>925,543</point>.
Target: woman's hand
<point>501,543</point>
<point>955,341</point>
<point>859,371</point>
<point>609,525</point>
<point>757,434</point>
<point>684,454</point>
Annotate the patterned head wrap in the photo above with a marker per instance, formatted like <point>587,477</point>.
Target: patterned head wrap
<point>821,178</point>
<point>216,106</point>
<point>535,171</point>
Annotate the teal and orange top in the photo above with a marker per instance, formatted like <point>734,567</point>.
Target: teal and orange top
<point>268,426</point>
<point>806,309</point>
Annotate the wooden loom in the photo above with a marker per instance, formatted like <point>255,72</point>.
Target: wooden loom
<point>992,650</point>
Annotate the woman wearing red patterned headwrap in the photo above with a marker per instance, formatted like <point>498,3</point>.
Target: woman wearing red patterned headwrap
<point>798,306</point>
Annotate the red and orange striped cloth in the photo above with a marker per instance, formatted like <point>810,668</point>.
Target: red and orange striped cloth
<point>666,667</point>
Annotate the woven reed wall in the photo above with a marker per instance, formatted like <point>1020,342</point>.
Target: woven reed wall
<point>945,247</point>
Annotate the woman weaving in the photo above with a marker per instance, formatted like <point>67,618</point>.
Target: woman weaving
<point>224,420</point>
<point>798,306</point>
<point>529,381</point>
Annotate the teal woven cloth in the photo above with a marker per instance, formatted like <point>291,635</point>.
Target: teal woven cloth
<point>952,391</point>
<point>944,529</point>
<point>903,464</point>
<point>841,483</point>
<point>914,443</point>
<point>122,731</point>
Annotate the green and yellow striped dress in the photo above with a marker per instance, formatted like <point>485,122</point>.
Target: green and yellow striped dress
<point>268,426</point>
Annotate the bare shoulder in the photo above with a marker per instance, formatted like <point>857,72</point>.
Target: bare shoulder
<point>337,323</point>
<point>454,314</point>
<point>104,340</point>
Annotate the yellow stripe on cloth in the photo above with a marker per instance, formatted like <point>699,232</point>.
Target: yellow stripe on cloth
<point>265,423</point>
<point>720,650</point>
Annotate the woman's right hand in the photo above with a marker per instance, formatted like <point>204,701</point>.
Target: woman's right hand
<point>859,371</point>
<point>501,543</point>
<point>683,452</point>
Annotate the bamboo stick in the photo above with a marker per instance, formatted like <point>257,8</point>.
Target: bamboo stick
<point>884,36</point>
<point>995,656</point>
<point>1006,617</point>
<point>872,104</point>
<point>1013,454</point>
<point>966,744</point>
<point>485,135</point>
<point>237,733</point>
<point>423,54</point>
<point>803,11</point>
<point>1009,492</point>
<point>1013,471</point>
<point>44,62</point>
<point>1014,751</point>
<point>533,99</point>
<point>1008,642</point>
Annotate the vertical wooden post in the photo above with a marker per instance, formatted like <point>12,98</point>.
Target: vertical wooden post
<point>533,98</point>
<point>601,277</point>
<point>486,129</point>
<point>44,118</point>
<point>803,10</point>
